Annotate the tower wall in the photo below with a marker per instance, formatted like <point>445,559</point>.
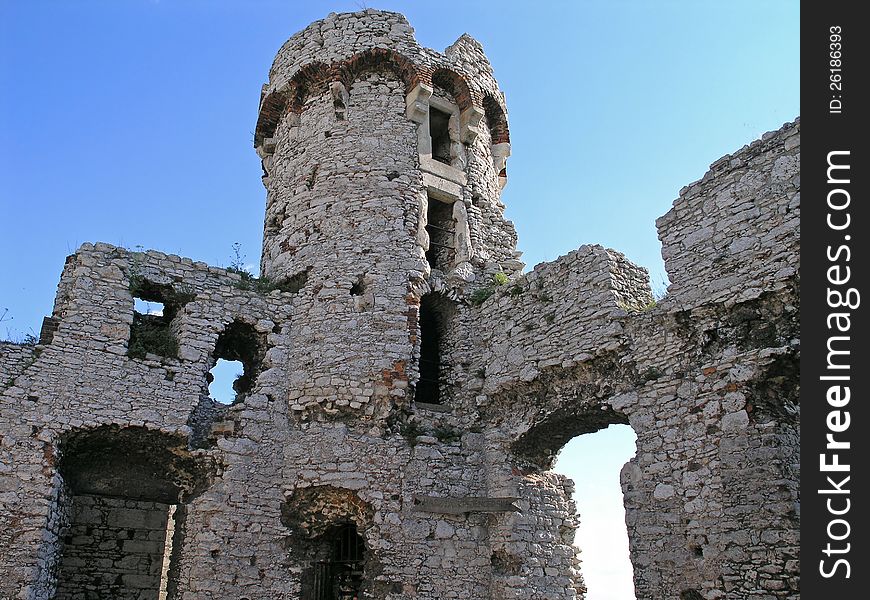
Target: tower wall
<point>350,173</point>
<point>367,85</point>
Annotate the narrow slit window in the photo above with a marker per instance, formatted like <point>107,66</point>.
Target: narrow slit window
<point>439,129</point>
<point>429,386</point>
<point>441,229</point>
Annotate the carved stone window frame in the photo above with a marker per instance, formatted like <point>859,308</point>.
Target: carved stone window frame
<point>441,181</point>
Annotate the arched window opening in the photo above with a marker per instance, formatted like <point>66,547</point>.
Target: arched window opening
<point>594,461</point>
<point>441,228</point>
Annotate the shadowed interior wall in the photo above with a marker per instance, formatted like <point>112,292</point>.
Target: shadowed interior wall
<point>113,549</point>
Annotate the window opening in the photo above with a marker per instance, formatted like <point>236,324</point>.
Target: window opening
<point>148,307</point>
<point>439,129</point>
<point>222,377</point>
<point>441,229</point>
<point>238,355</point>
<point>429,386</point>
<point>358,287</point>
<point>341,577</point>
<point>154,308</point>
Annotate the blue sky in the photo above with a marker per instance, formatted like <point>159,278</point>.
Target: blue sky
<point>130,121</point>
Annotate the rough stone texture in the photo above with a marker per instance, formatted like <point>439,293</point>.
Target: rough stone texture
<point>114,550</point>
<point>109,414</point>
<point>730,236</point>
<point>16,358</point>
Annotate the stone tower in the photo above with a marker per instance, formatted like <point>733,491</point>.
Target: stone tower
<point>383,164</point>
<point>406,387</point>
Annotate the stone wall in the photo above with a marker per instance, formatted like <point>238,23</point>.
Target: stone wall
<point>558,315</point>
<point>731,235</point>
<point>114,549</point>
<point>710,391</point>
<point>533,552</point>
<point>14,359</point>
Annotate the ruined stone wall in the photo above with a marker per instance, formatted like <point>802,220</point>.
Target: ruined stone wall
<point>230,535</point>
<point>558,315</point>
<point>66,389</point>
<point>452,500</point>
<point>14,358</point>
<point>711,391</point>
<point>731,235</point>
<point>412,548</point>
<point>533,552</point>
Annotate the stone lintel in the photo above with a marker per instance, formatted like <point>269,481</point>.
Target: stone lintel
<point>441,189</point>
<point>417,103</point>
<point>439,169</point>
<point>469,122</point>
<point>500,152</point>
<point>468,504</point>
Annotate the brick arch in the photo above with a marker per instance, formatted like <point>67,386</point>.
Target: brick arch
<point>496,120</point>
<point>289,99</point>
<point>306,81</point>
<point>272,108</point>
<point>454,83</point>
<point>377,58</point>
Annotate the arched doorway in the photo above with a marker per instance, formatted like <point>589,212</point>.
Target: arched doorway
<point>594,461</point>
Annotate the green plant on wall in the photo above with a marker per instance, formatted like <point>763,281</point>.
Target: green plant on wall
<point>262,285</point>
<point>481,295</point>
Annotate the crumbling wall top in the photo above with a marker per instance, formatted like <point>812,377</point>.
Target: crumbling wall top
<point>730,236</point>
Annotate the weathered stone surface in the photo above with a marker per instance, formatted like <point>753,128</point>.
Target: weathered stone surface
<point>106,423</point>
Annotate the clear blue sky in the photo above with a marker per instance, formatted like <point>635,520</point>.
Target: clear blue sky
<point>130,121</point>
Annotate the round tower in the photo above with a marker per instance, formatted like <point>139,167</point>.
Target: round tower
<point>383,164</point>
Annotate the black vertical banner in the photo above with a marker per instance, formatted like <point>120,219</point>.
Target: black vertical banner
<point>835,421</point>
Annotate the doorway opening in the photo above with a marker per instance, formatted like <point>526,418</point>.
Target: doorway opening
<point>594,461</point>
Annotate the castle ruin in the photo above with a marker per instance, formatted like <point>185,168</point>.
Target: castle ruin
<point>406,386</point>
